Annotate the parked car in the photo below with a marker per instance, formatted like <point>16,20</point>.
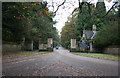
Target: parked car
<point>57,47</point>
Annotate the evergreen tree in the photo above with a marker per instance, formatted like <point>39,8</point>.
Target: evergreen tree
<point>99,12</point>
<point>84,19</point>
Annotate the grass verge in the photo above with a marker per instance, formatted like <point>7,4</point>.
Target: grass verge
<point>24,53</point>
<point>18,53</point>
<point>98,55</point>
<point>43,52</point>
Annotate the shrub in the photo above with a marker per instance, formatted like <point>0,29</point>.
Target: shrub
<point>108,35</point>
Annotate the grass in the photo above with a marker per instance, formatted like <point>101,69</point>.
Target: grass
<point>18,53</point>
<point>26,53</point>
<point>43,52</point>
<point>98,55</point>
<point>23,53</point>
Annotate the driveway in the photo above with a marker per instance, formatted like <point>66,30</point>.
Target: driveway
<point>60,63</point>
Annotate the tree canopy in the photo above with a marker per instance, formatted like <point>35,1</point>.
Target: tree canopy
<point>31,20</point>
<point>109,34</point>
<point>67,32</point>
<point>85,16</point>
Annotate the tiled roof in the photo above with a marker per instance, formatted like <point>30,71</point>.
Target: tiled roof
<point>88,34</point>
<point>94,34</point>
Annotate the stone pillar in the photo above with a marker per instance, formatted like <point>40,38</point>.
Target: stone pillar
<point>29,45</point>
<point>94,28</point>
<point>91,47</point>
<point>50,44</point>
<point>40,45</point>
<point>73,44</point>
<point>84,35</point>
<point>23,43</point>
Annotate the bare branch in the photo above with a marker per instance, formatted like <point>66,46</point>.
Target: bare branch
<point>89,9</point>
<point>109,10</point>
<point>80,7</point>
<point>74,10</point>
<point>52,5</point>
<point>59,6</point>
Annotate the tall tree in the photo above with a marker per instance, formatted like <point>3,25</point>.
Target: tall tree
<point>67,32</point>
<point>99,11</point>
<point>84,19</point>
<point>31,20</point>
<point>109,34</point>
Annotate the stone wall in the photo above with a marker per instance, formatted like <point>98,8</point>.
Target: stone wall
<point>42,46</point>
<point>29,46</point>
<point>10,48</point>
<point>114,51</point>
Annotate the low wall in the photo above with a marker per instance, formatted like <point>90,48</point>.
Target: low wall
<point>10,48</point>
<point>114,51</point>
<point>42,46</point>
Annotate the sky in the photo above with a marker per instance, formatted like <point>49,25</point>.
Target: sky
<point>65,10</point>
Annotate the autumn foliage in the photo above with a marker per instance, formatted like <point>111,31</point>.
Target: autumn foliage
<point>31,20</point>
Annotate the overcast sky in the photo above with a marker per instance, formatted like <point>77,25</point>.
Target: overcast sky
<point>66,10</point>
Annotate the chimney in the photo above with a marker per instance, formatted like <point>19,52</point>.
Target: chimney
<point>94,28</point>
<point>83,37</point>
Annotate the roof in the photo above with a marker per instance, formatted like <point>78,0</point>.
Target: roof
<point>88,34</point>
<point>94,34</point>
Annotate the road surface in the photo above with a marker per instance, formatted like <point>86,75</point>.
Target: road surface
<point>60,63</point>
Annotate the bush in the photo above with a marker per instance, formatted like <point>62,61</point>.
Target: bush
<point>108,35</point>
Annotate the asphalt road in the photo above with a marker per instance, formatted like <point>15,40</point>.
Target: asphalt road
<point>60,63</point>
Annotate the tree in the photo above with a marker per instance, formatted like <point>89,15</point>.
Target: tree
<point>108,34</point>
<point>67,32</point>
<point>12,26</point>
<point>31,20</point>
<point>84,19</point>
<point>99,11</point>
<point>88,15</point>
<point>56,39</point>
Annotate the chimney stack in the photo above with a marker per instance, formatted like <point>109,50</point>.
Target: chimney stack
<point>83,37</point>
<point>94,28</point>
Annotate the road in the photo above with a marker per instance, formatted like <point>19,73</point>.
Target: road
<point>60,63</point>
